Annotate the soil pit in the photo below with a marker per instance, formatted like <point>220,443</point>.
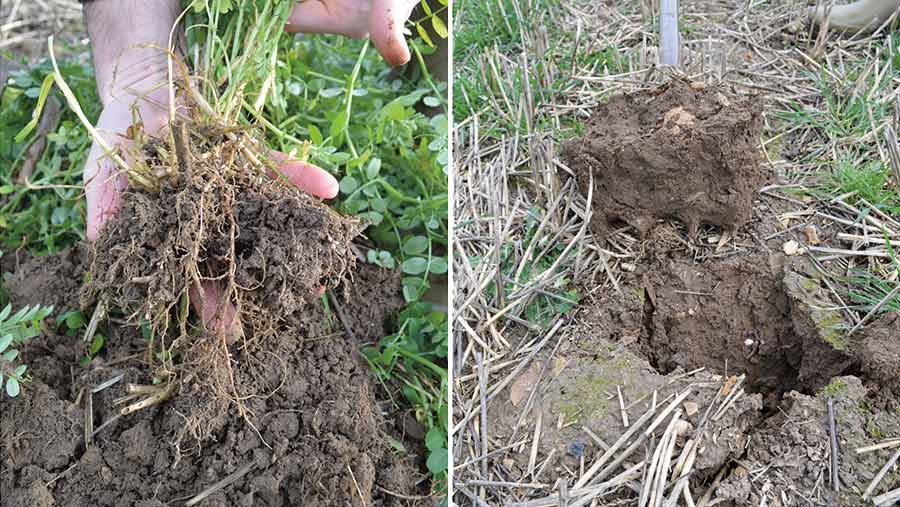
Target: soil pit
<point>683,325</point>
<point>321,440</point>
<point>684,150</point>
<point>755,314</point>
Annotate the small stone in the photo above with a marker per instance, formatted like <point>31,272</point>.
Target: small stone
<point>576,449</point>
<point>791,248</point>
<point>812,234</point>
<point>690,408</point>
<point>722,99</point>
<point>683,427</point>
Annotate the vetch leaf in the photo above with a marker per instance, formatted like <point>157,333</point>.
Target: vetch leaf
<point>437,461</point>
<point>414,265</point>
<point>315,135</point>
<point>435,439</point>
<point>348,184</point>
<point>5,341</point>
<point>373,168</point>
<point>12,387</point>
<point>331,92</point>
<point>424,34</point>
<point>415,245</point>
<point>96,344</point>
<point>439,27</point>
<point>337,127</point>
<point>438,265</point>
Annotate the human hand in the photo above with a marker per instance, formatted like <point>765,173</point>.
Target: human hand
<point>384,20</point>
<point>131,74</point>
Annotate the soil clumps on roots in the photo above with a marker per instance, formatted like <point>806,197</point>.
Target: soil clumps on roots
<point>215,215</point>
<point>206,210</point>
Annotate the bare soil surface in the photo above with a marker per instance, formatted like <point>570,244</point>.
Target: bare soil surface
<point>318,434</point>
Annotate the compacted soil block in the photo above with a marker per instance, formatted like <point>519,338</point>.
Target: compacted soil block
<point>684,150</point>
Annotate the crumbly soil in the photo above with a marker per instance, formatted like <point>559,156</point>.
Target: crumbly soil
<point>206,214</point>
<point>50,281</point>
<point>690,315</point>
<point>317,436</point>
<point>275,245</point>
<point>684,150</point>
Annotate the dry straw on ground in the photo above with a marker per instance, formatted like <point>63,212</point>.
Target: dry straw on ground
<point>506,180</point>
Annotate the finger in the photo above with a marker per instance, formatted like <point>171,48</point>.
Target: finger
<point>208,308</point>
<point>307,177</point>
<point>386,22</point>
<point>314,16</point>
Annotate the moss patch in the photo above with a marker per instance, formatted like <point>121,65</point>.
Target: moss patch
<point>836,388</point>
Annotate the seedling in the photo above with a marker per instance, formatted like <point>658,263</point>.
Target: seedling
<point>15,330</point>
<point>411,361</point>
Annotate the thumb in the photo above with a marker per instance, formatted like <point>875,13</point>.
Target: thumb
<point>386,22</point>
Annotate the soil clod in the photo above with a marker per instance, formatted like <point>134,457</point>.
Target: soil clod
<point>678,151</point>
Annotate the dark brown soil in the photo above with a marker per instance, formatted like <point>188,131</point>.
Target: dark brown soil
<point>285,244</point>
<point>318,436</point>
<point>202,217</point>
<point>675,316</point>
<point>50,281</point>
<point>684,151</point>
<point>879,351</point>
<point>754,314</point>
<point>729,316</point>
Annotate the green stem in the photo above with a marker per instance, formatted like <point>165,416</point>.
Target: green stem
<point>424,68</point>
<point>349,99</point>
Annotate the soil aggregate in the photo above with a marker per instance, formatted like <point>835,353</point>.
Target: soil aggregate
<point>684,150</point>
<point>285,245</point>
